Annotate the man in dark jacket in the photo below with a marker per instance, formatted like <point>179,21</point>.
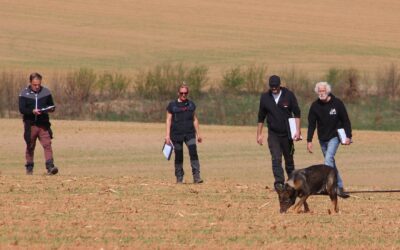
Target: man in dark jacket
<point>35,102</point>
<point>182,126</point>
<point>278,105</point>
<point>328,114</point>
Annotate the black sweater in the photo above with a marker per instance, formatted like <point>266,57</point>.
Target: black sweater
<point>328,117</point>
<point>29,100</point>
<point>277,114</point>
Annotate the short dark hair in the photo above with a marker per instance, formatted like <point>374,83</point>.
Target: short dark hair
<point>35,76</point>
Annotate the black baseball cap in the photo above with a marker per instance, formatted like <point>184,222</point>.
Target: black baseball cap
<point>274,81</point>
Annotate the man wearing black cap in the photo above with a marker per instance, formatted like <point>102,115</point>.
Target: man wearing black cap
<point>278,105</point>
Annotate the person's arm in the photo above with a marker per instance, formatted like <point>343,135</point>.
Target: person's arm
<point>260,136</point>
<point>312,120</point>
<point>168,128</point>
<point>23,106</point>
<point>262,113</point>
<point>297,135</point>
<point>197,128</point>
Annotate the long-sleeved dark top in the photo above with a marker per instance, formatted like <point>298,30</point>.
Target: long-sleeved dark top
<point>277,114</point>
<point>30,100</point>
<point>328,117</point>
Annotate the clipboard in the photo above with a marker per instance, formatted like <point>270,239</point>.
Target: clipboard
<point>167,150</point>
<point>342,135</point>
<point>293,128</point>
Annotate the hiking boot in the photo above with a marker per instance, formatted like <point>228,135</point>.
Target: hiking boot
<point>179,180</point>
<point>197,179</point>
<point>342,194</point>
<point>51,169</point>
<point>29,168</point>
<point>196,171</point>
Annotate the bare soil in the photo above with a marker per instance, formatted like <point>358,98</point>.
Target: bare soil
<point>115,191</point>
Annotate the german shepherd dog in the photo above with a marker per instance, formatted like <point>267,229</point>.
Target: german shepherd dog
<point>316,179</point>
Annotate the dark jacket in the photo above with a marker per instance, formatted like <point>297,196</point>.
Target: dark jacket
<point>182,119</point>
<point>30,100</point>
<point>328,117</point>
<point>277,114</point>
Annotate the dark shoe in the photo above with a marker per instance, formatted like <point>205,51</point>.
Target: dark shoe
<point>342,194</point>
<point>29,169</point>
<point>197,179</point>
<point>179,180</point>
<point>52,171</point>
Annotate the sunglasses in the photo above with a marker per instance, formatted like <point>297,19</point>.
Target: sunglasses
<point>183,93</point>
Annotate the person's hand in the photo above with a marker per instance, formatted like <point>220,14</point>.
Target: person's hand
<point>199,138</point>
<point>310,147</point>
<point>168,140</point>
<point>36,112</point>
<point>297,136</point>
<point>260,139</point>
<point>347,141</point>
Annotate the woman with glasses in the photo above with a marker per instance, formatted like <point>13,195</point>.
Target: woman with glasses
<point>182,126</point>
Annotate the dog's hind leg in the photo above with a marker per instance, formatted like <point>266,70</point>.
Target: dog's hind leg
<point>335,204</point>
<point>334,200</point>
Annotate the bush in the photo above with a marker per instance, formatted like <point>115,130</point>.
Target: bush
<point>298,82</point>
<point>233,80</point>
<point>11,83</point>
<point>345,83</point>
<point>351,90</point>
<point>255,76</point>
<point>333,77</point>
<point>76,92</point>
<point>112,86</point>
<point>164,80</point>
<point>388,81</point>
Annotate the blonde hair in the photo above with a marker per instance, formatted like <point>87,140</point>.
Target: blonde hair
<point>184,85</point>
<point>323,84</point>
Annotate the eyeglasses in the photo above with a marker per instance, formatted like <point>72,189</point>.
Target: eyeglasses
<point>183,93</point>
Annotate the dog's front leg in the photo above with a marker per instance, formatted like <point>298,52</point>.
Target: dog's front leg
<point>306,208</point>
<point>300,203</point>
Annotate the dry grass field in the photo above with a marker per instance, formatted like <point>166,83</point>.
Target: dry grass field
<point>123,35</point>
<point>115,191</point>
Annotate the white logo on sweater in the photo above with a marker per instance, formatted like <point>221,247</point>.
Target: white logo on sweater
<point>333,111</point>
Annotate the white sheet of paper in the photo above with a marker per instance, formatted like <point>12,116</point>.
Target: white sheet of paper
<point>47,108</point>
<point>167,150</point>
<point>293,128</point>
<point>342,135</point>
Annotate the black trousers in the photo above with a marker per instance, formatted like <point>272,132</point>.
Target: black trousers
<point>190,142</point>
<point>278,146</point>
